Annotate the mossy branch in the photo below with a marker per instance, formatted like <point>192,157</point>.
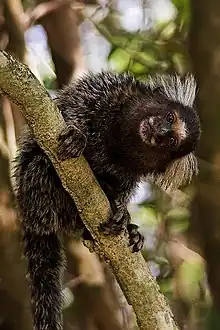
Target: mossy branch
<point>42,115</point>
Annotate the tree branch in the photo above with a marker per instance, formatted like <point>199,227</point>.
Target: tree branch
<point>42,115</point>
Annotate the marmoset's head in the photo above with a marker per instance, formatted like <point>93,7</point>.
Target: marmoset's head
<point>170,126</point>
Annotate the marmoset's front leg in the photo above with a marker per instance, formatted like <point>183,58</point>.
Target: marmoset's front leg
<point>120,220</point>
<point>71,143</point>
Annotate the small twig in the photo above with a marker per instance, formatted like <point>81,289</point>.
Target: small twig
<point>75,281</point>
<point>3,145</point>
<point>31,16</point>
<point>10,128</point>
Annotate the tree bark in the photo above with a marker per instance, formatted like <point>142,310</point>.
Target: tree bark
<point>62,31</point>
<point>42,115</point>
<point>204,46</point>
<point>13,27</point>
<point>95,307</point>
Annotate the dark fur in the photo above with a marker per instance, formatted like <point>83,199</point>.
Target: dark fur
<point>103,113</point>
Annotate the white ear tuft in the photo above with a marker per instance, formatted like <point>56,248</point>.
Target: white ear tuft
<point>182,90</point>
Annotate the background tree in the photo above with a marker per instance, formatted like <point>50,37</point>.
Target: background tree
<point>179,244</point>
<point>204,43</point>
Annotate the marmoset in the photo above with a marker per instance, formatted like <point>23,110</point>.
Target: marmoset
<point>128,130</point>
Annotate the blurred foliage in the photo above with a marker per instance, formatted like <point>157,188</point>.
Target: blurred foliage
<point>164,219</point>
<point>161,48</point>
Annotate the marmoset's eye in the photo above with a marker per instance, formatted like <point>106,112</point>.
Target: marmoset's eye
<point>170,117</point>
<point>173,142</point>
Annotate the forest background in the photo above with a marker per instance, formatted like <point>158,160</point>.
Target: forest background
<point>61,40</point>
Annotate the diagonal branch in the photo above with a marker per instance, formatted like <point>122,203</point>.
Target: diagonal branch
<point>138,285</point>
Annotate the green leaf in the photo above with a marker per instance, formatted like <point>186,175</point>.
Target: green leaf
<point>166,286</point>
<point>138,68</point>
<point>190,275</point>
<point>119,60</point>
<point>183,16</point>
<point>148,216</point>
<point>147,58</point>
<point>179,219</point>
<point>168,31</point>
<point>179,62</point>
<point>164,30</point>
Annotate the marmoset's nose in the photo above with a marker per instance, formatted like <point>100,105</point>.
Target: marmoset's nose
<point>163,132</point>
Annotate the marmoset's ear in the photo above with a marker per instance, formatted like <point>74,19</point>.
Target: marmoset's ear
<point>177,174</point>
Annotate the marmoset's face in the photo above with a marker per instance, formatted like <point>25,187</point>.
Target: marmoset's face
<point>175,128</point>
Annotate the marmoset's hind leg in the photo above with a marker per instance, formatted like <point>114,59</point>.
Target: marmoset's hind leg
<point>120,221</point>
